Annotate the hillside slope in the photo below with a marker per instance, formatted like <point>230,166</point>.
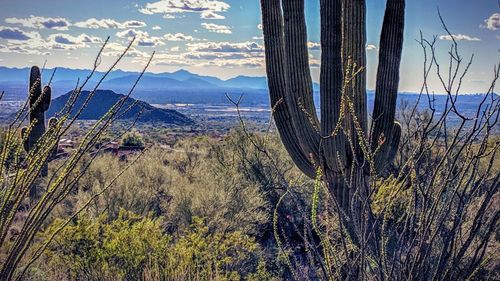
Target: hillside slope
<point>103,100</point>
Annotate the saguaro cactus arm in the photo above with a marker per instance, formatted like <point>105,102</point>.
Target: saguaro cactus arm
<point>46,98</point>
<point>343,40</point>
<point>396,138</point>
<point>354,57</point>
<point>272,21</point>
<point>35,89</point>
<point>331,80</point>
<point>299,82</point>
<point>39,102</point>
<point>391,46</point>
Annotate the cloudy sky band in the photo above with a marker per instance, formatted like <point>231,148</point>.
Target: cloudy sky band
<point>221,36</point>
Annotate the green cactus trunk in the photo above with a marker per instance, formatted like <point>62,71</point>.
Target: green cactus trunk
<point>39,102</point>
<point>341,144</point>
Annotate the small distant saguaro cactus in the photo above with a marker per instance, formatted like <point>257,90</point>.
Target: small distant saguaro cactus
<point>347,152</point>
<point>39,102</point>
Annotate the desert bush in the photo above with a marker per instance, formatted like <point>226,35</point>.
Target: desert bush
<point>229,182</point>
<point>132,247</point>
<point>133,138</point>
<point>154,185</point>
<point>141,189</point>
<point>200,255</point>
<point>105,249</point>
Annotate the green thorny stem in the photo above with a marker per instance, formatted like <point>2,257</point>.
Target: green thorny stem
<point>60,184</point>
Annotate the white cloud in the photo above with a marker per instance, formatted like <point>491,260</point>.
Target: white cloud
<point>22,42</point>
<point>22,48</point>
<point>131,33</point>
<point>63,24</point>
<point>150,42</point>
<point>94,23</point>
<point>165,56</point>
<point>371,47</point>
<point>41,22</point>
<point>170,60</point>
<point>17,34</point>
<point>314,46</point>
<point>19,41</point>
<point>115,49</point>
<point>178,37</point>
<point>209,15</point>
<point>133,23</point>
<point>83,38</point>
<point>243,63</point>
<point>212,27</point>
<point>156,27</point>
<point>226,47</point>
<point>61,41</point>
<point>314,63</point>
<point>142,37</point>
<point>458,37</point>
<point>493,22</point>
<point>214,56</point>
<point>169,7</point>
<point>224,54</point>
<point>131,53</point>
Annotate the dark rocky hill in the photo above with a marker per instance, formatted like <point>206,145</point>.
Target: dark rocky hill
<point>103,100</point>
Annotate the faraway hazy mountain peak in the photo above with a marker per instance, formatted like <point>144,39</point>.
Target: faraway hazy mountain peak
<point>68,75</point>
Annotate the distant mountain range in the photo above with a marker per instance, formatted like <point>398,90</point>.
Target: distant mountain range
<point>181,80</point>
<point>103,100</point>
<point>178,87</point>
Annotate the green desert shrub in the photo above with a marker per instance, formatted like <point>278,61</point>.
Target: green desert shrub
<point>10,154</point>
<point>229,182</point>
<point>132,247</point>
<point>200,255</point>
<point>95,249</point>
<point>133,139</point>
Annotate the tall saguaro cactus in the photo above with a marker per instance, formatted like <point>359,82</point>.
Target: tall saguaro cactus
<point>341,143</point>
<point>39,102</point>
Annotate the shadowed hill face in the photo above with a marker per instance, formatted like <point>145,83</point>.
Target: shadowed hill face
<point>103,100</point>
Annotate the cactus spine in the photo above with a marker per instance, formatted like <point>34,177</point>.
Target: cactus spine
<point>340,143</point>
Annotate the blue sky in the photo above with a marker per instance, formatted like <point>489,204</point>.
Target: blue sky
<point>222,37</point>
